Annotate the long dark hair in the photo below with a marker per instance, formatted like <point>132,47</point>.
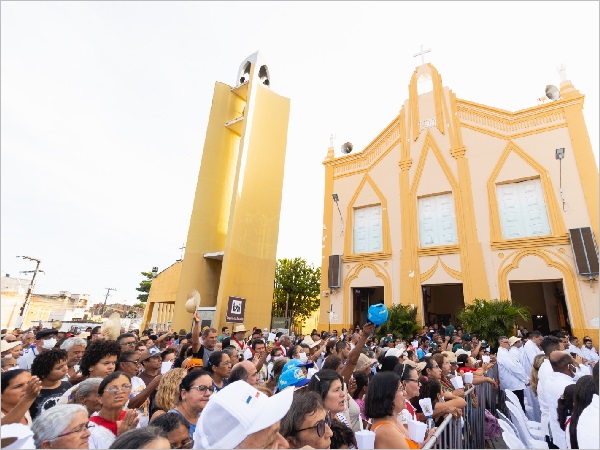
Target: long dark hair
<point>321,381</point>
<point>565,405</point>
<point>585,389</point>
<point>362,380</point>
<point>379,401</point>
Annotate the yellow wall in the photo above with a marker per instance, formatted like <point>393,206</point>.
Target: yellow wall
<point>163,289</point>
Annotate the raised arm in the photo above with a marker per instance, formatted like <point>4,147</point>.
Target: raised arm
<point>367,329</point>
<point>196,333</point>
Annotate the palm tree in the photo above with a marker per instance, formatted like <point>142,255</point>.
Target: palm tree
<point>490,319</point>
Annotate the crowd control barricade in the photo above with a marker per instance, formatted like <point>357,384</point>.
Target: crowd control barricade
<point>447,435</point>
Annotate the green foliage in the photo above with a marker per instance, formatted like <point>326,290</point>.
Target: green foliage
<point>490,319</point>
<point>303,284</point>
<point>144,287</point>
<point>401,322</point>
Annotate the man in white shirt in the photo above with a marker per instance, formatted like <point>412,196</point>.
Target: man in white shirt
<point>588,434</point>
<point>574,346</point>
<point>510,371</point>
<point>549,344</point>
<point>516,348</point>
<point>44,340</point>
<point>530,350</point>
<point>564,369</point>
<point>589,352</point>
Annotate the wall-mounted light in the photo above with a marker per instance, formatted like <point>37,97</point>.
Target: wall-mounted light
<point>335,197</point>
<point>560,153</point>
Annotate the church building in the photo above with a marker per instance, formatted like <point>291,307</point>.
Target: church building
<point>455,201</point>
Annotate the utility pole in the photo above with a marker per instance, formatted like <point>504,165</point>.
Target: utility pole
<point>30,290</point>
<point>105,299</point>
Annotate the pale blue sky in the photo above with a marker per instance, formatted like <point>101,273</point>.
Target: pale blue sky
<point>105,106</point>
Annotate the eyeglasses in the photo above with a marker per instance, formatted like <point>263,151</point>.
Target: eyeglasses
<point>116,389</point>
<point>202,389</point>
<point>186,444</point>
<point>132,343</point>
<point>415,381</point>
<point>319,426</point>
<point>228,363</point>
<point>137,363</point>
<point>80,429</point>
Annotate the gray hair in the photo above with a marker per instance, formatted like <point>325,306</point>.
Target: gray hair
<point>69,343</point>
<point>85,388</point>
<point>138,437</point>
<point>53,422</point>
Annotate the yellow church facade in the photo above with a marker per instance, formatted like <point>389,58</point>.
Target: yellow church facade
<point>455,201</point>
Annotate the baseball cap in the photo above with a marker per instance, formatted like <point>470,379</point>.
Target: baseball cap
<point>293,363</point>
<point>193,363</point>
<point>45,333</point>
<point>152,351</point>
<point>392,352</point>
<point>16,435</point>
<point>239,410</point>
<point>294,376</point>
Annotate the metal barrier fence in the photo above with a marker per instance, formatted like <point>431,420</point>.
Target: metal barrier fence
<point>469,433</point>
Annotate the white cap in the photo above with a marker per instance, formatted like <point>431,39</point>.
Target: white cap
<point>237,411</point>
<point>16,436</point>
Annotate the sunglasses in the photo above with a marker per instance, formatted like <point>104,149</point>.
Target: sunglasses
<point>319,426</point>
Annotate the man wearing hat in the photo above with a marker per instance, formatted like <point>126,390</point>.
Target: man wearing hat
<point>516,348</point>
<point>11,349</point>
<point>44,340</point>
<point>510,371</point>
<point>237,339</point>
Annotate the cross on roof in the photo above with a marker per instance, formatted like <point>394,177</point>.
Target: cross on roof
<point>422,54</point>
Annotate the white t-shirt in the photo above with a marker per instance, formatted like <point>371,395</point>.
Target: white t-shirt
<point>587,427</point>
<point>137,386</point>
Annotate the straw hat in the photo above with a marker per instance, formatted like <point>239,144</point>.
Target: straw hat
<point>240,328</point>
<point>363,362</point>
<point>193,301</point>
<point>113,326</point>
<point>512,340</point>
<point>450,356</point>
<point>6,346</point>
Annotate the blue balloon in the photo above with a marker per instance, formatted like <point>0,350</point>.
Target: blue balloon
<point>377,314</point>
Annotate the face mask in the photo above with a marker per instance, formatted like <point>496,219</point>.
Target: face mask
<point>49,344</point>
<point>275,358</point>
<point>302,357</point>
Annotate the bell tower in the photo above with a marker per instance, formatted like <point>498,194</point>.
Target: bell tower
<point>234,227</point>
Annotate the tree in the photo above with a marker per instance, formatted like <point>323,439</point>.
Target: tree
<point>401,322</point>
<point>302,282</point>
<point>491,319</point>
<point>145,287</point>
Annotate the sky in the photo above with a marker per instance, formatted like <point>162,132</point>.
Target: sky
<point>104,108</point>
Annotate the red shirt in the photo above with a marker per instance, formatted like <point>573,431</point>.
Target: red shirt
<point>112,426</point>
<point>467,369</point>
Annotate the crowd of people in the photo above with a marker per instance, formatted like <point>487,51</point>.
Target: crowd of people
<point>253,388</point>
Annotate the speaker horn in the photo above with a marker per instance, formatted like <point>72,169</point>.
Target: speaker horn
<point>347,148</point>
<point>552,92</point>
<point>56,324</point>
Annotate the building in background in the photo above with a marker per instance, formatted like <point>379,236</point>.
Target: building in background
<point>455,201</point>
<point>63,306</point>
<point>234,227</point>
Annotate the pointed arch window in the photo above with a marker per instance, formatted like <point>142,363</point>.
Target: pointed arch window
<point>522,209</point>
<point>367,230</point>
<point>437,221</point>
